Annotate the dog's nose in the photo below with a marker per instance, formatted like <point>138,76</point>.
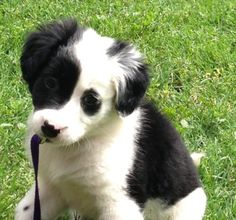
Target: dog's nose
<point>49,130</point>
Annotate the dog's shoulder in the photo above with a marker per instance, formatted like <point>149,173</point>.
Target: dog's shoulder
<point>162,162</point>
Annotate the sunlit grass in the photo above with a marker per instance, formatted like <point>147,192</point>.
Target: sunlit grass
<point>191,49</point>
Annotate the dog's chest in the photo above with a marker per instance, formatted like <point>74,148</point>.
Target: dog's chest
<point>89,173</point>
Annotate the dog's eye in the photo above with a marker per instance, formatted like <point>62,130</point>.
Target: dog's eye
<point>90,97</point>
<point>51,83</point>
<point>90,102</point>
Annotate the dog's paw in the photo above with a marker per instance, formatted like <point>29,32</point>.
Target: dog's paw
<point>74,215</point>
<point>24,211</point>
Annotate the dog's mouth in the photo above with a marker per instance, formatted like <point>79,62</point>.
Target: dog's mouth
<point>47,140</point>
<point>50,130</point>
<point>44,139</point>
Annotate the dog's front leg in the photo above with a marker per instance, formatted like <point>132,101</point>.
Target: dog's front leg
<point>124,209</point>
<point>50,201</point>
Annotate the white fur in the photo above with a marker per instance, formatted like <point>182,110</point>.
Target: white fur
<point>192,207</point>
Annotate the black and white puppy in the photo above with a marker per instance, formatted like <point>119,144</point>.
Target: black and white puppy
<point>109,154</point>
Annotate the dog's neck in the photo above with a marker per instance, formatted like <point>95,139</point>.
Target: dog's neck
<point>109,130</point>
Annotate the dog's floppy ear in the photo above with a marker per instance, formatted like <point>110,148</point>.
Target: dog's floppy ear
<point>43,44</point>
<point>132,81</point>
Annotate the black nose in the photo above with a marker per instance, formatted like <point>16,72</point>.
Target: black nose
<point>49,130</point>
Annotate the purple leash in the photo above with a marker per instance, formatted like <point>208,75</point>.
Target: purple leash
<point>35,141</point>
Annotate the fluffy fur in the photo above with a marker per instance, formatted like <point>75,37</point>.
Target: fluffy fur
<point>109,154</point>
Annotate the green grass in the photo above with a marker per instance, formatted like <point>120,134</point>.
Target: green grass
<point>191,48</point>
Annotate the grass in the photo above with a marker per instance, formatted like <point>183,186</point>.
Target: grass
<point>191,48</point>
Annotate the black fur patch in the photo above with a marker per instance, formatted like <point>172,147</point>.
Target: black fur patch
<point>41,46</point>
<point>118,47</point>
<point>163,168</point>
<point>136,80</point>
<point>55,85</point>
<point>130,95</point>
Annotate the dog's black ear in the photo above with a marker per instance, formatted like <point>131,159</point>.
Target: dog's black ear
<point>43,44</point>
<point>131,79</point>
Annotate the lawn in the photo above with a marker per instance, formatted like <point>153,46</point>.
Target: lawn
<point>191,48</point>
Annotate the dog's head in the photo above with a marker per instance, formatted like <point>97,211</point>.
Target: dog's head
<point>80,80</point>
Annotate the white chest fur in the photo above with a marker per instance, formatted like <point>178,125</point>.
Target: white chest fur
<point>94,170</point>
